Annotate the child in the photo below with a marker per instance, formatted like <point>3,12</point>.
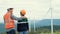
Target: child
<point>22,25</point>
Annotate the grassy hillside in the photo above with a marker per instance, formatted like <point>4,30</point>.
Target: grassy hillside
<point>43,30</point>
<point>40,30</point>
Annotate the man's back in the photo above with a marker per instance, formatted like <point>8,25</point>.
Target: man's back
<point>9,23</point>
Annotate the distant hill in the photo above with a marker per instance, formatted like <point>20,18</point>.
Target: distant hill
<point>56,27</point>
<point>45,22</point>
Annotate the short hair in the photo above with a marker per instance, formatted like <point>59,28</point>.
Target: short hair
<point>9,9</point>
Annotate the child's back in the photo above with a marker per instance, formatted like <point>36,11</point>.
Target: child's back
<point>22,25</point>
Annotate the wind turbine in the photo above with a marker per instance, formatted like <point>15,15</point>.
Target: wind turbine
<point>49,10</point>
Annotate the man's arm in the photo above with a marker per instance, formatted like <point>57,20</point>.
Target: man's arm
<point>6,20</point>
<point>15,18</point>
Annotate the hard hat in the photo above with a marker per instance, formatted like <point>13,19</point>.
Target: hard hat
<point>23,12</point>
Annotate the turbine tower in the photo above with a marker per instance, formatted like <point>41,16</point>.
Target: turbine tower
<point>51,8</point>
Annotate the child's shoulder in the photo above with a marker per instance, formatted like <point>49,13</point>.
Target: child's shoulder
<point>24,17</point>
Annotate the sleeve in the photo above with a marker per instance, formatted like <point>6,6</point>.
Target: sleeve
<point>15,18</point>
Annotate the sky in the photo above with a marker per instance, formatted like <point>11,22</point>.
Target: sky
<point>36,9</point>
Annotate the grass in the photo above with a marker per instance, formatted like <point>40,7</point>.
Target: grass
<point>32,32</point>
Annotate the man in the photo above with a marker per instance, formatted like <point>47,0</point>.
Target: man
<point>9,22</point>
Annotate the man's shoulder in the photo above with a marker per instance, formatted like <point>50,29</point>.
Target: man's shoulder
<point>6,15</point>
